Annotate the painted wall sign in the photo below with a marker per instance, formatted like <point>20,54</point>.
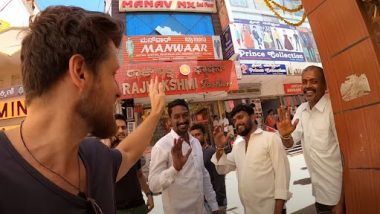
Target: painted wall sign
<point>200,6</point>
<point>169,48</point>
<point>178,77</point>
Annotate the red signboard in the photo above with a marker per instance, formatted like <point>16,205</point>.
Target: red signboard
<point>177,77</point>
<point>200,6</point>
<point>169,48</point>
<point>293,88</point>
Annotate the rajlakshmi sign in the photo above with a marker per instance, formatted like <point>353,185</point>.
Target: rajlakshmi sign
<point>183,77</point>
<point>12,108</point>
<point>169,48</point>
<point>199,6</point>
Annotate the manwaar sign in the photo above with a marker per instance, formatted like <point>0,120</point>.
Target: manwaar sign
<point>171,48</point>
<point>200,6</point>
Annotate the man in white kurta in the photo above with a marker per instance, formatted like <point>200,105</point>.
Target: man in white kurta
<point>261,164</point>
<point>183,190</point>
<point>313,125</point>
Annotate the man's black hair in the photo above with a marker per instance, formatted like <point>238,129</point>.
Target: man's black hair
<point>119,117</point>
<point>177,102</point>
<point>198,126</point>
<point>242,107</point>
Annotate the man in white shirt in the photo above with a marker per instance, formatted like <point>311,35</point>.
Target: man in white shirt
<point>223,122</point>
<point>313,125</point>
<point>182,179</point>
<point>260,161</point>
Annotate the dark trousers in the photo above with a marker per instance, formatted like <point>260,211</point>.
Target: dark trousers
<point>323,209</point>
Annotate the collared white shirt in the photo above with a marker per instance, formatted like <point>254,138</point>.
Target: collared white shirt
<point>183,191</point>
<point>317,133</point>
<point>263,171</point>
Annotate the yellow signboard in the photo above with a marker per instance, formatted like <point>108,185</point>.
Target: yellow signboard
<point>4,25</point>
<point>12,108</point>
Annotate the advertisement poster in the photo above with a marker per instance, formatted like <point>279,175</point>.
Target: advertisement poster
<point>259,40</point>
<point>169,48</point>
<point>183,77</point>
<point>230,51</point>
<point>199,6</point>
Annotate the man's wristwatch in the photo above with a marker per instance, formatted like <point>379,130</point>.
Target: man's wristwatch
<point>149,193</point>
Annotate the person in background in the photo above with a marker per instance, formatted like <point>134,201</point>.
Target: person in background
<point>270,120</point>
<point>129,199</point>
<point>215,121</point>
<point>218,181</point>
<point>313,124</point>
<point>176,167</point>
<point>223,122</point>
<point>260,162</point>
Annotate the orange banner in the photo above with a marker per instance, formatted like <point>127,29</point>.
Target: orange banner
<point>169,48</point>
<point>177,77</point>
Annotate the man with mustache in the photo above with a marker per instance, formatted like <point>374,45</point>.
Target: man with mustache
<point>260,162</point>
<point>217,181</point>
<point>182,179</point>
<point>129,199</point>
<point>313,124</point>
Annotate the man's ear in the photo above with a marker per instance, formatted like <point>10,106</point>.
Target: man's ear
<point>77,70</point>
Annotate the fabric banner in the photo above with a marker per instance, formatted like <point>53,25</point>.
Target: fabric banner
<point>199,6</point>
<point>177,77</point>
<point>169,48</point>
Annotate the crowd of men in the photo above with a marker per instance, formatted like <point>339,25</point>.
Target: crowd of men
<point>51,165</point>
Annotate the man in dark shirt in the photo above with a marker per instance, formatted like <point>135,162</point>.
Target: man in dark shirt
<point>68,63</point>
<point>129,199</point>
<point>218,181</point>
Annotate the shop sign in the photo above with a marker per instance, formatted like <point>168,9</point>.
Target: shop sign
<point>253,54</point>
<point>200,6</point>
<point>169,48</point>
<point>12,108</point>
<point>293,88</point>
<point>230,50</point>
<point>13,91</point>
<point>263,40</point>
<point>263,69</point>
<point>177,77</point>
